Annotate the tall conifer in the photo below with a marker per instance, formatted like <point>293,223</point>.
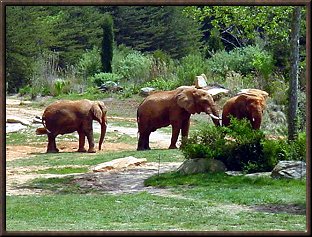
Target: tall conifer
<point>107,44</point>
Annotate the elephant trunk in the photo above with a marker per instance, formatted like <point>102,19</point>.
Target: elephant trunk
<point>103,131</point>
<point>214,114</point>
<point>256,119</point>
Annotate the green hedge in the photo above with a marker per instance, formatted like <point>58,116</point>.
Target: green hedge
<point>241,148</point>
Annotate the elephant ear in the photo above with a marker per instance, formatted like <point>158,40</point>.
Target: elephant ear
<point>98,108</point>
<point>185,99</point>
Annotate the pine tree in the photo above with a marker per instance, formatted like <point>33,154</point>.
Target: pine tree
<point>107,44</point>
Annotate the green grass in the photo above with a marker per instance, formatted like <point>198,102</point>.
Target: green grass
<point>63,170</point>
<point>70,158</point>
<point>137,212</point>
<point>220,187</point>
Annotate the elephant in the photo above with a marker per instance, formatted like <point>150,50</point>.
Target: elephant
<point>164,108</point>
<point>247,104</point>
<point>66,116</point>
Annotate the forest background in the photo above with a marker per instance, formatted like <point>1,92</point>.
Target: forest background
<point>58,50</point>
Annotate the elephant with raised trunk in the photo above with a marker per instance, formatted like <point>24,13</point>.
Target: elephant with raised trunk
<point>174,108</point>
<point>67,116</point>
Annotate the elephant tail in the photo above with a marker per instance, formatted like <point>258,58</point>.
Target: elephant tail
<point>44,130</point>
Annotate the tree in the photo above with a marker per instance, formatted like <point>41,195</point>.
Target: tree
<point>293,83</point>
<point>107,44</point>
<point>151,28</point>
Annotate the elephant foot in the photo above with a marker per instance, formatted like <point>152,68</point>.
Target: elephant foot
<point>82,150</point>
<point>143,148</point>
<point>53,151</point>
<point>91,150</point>
<point>173,147</point>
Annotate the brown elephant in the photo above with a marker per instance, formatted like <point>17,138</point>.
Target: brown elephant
<point>67,116</point>
<point>247,104</point>
<point>174,108</point>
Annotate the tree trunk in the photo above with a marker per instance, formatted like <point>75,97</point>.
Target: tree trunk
<point>293,86</point>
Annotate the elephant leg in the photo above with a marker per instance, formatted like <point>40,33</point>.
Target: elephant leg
<point>82,139</point>
<point>143,143</point>
<point>51,144</point>
<point>90,141</point>
<point>175,135</point>
<point>185,130</point>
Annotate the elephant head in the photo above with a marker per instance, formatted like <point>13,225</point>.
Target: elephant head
<point>196,101</point>
<point>98,109</point>
<point>254,105</point>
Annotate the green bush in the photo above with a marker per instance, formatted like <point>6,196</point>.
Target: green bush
<point>100,78</point>
<point>242,148</point>
<point>208,142</point>
<point>169,82</point>
<point>282,149</point>
<point>189,67</point>
<point>244,60</point>
<point>133,67</point>
<point>60,86</point>
<point>89,63</point>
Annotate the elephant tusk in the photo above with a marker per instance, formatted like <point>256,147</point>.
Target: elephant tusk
<point>214,117</point>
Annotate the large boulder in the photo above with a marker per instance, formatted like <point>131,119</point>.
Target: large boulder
<point>289,169</point>
<point>201,165</point>
<point>200,81</point>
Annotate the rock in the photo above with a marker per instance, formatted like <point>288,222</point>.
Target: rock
<point>37,119</point>
<point>259,174</point>
<point>289,169</point>
<point>201,165</point>
<point>201,81</point>
<point>15,119</point>
<point>120,163</point>
<point>217,90</point>
<point>234,173</point>
<point>110,86</point>
<point>14,127</point>
<point>146,91</point>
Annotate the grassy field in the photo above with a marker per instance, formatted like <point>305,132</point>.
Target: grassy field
<point>201,202</point>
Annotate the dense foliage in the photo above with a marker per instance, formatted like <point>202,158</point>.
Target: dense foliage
<point>242,148</point>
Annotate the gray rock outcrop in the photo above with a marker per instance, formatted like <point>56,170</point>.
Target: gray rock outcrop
<point>201,165</point>
<point>289,169</point>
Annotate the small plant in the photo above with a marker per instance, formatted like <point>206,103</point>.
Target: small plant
<point>100,78</point>
<point>238,146</point>
<point>60,86</point>
<point>163,83</point>
<point>89,63</point>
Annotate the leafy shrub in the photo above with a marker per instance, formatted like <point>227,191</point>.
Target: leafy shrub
<point>133,67</point>
<point>189,67</point>
<point>100,78</point>
<point>208,142</point>
<point>240,147</point>
<point>244,60</point>
<point>89,63</point>
<point>282,149</point>
<point>60,86</point>
<point>163,83</point>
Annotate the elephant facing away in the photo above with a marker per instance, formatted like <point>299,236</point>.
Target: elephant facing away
<point>174,108</point>
<point>248,104</point>
<point>65,116</point>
